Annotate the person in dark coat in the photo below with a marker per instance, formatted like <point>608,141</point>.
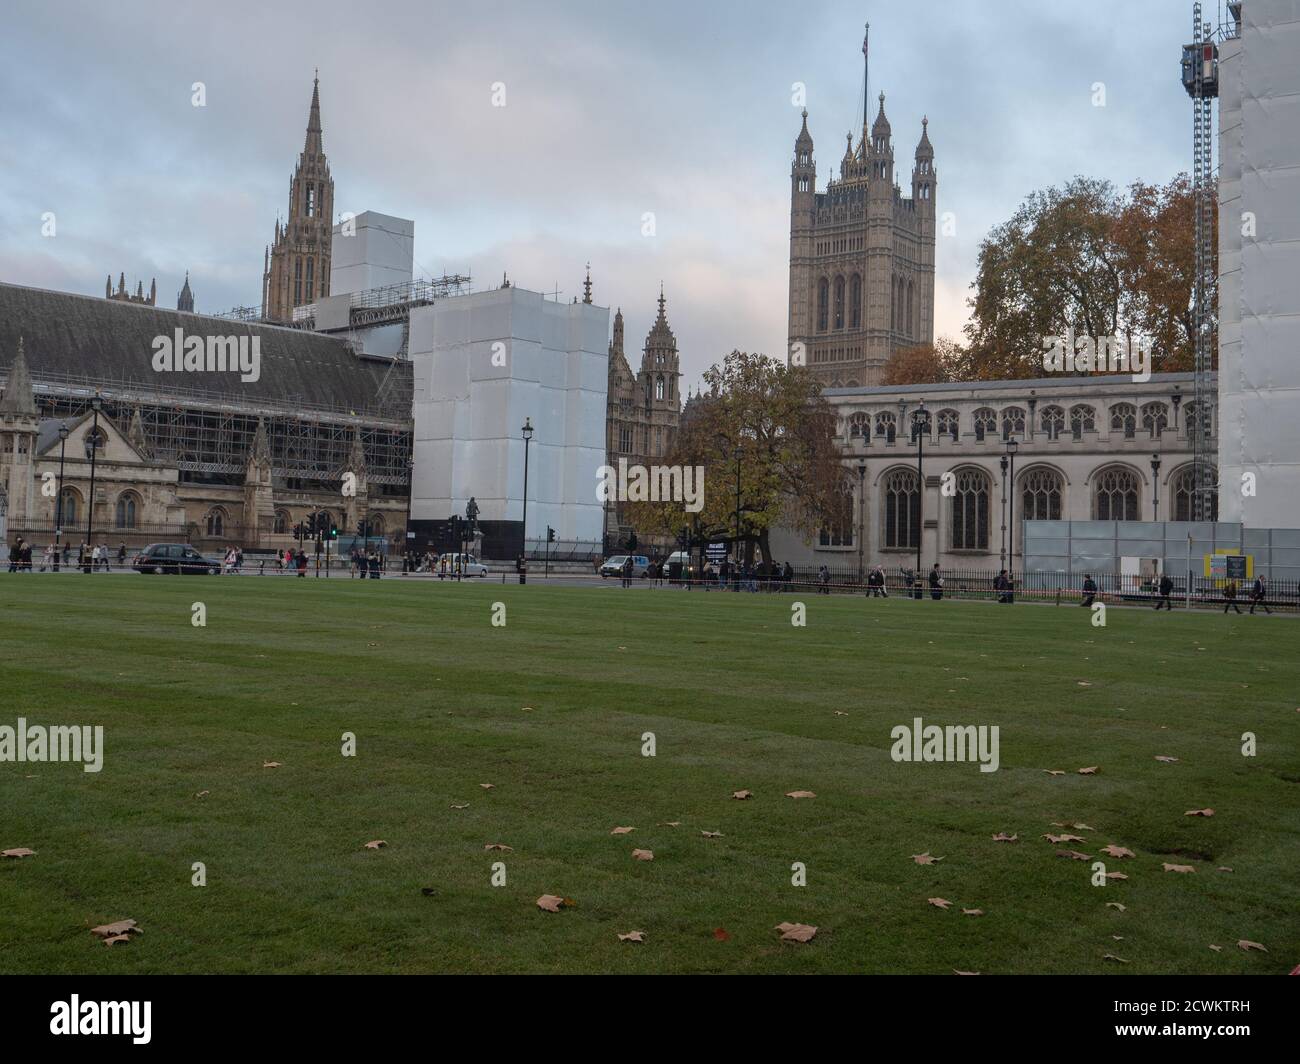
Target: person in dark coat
<point>936,583</point>
<point>1089,590</point>
<point>1257,594</point>
<point>1166,587</point>
<point>1002,585</point>
<point>1230,597</point>
<point>301,562</point>
<point>16,554</point>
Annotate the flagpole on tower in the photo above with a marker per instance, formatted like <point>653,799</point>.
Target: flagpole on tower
<point>866,88</point>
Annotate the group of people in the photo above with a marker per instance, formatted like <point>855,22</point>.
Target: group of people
<point>89,559</point>
<point>1165,588</point>
<point>363,563</point>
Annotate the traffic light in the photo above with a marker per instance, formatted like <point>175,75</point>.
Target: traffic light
<point>311,524</point>
<point>334,530</point>
<point>550,534</point>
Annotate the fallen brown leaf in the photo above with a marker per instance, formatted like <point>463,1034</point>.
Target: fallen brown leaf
<point>632,936</point>
<point>1246,946</point>
<point>271,764</point>
<point>800,794</point>
<point>1002,836</point>
<point>670,824</point>
<point>1199,812</point>
<point>1116,875</point>
<point>1064,838</point>
<point>1178,867</point>
<point>118,928</point>
<point>742,795</point>
<point>1091,770</point>
<point>796,932</point>
<point>1116,905</point>
<point>643,855</point>
<point>939,903</point>
<point>1074,855</point>
<point>622,831</point>
<point>202,794</point>
<point>720,933</point>
<point>711,834</point>
<point>1167,760</point>
<point>972,912</point>
<point>375,844</point>
<point>1223,868</point>
<point>925,858</point>
<point>1118,851</point>
<point>487,786</point>
<point>550,903</point>
<point>956,972</point>
<point>1054,771</point>
<point>499,846</point>
<point>463,806</point>
<point>20,851</point>
<point>1217,949</point>
<point>1112,957</point>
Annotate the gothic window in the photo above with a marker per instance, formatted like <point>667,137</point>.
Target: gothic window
<point>311,200</point>
<point>1042,495</point>
<point>659,387</point>
<point>911,311</point>
<point>1192,422</point>
<point>216,521</point>
<point>96,441</point>
<point>1155,419</point>
<point>281,526</point>
<point>839,533</point>
<point>71,504</point>
<point>919,425</point>
<point>859,426</point>
<point>855,302</point>
<point>376,524</point>
<point>1184,484</point>
<point>949,423</point>
<point>125,511</point>
<point>1123,418</point>
<point>839,302</point>
<point>297,281</point>
<point>1082,419</point>
<point>970,511</point>
<point>1013,422</point>
<point>311,280</point>
<point>902,510</point>
<point>1052,422</point>
<point>886,425</point>
<point>986,422</point>
<point>823,303</point>
<point>1115,497</point>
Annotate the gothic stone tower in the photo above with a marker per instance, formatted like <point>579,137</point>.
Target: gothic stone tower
<point>19,423</point>
<point>296,268</point>
<point>861,256</point>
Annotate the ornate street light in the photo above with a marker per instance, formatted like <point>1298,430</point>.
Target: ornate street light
<point>527,432</point>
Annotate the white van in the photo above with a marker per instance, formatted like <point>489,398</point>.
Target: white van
<point>473,567</point>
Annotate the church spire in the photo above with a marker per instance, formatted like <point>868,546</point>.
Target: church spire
<point>313,144</point>
<point>18,396</point>
<point>586,286</point>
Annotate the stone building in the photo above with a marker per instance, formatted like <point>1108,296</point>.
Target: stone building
<point>122,295</point>
<point>1084,450</point>
<point>185,297</point>
<point>643,409</point>
<point>296,267</point>
<point>861,256</point>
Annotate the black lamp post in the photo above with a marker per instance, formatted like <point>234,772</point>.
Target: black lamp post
<point>1155,487</point>
<point>58,503</point>
<point>1012,444</point>
<point>920,426</point>
<point>1178,401</point>
<point>406,542</point>
<point>96,404</point>
<point>862,528</point>
<point>1003,551</point>
<point>527,432</point>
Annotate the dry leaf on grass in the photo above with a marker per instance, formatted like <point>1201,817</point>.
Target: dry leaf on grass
<point>1199,812</point>
<point>202,794</point>
<point>622,831</point>
<point>972,912</point>
<point>1073,826</point>
<point>1064,838</point>
<point>1054,771</point>
<point>632,936</point>
<point>925,858</point>
<point>742,795</point>
<point>271,764</point>
<point>465,805</point>
<point>721,934</point>
<point>526,709</point>
<point>550,903</point>
<point>1167,760</point>
<point>1245,945</point>
<point>487,786</point>
<point>956,972</point>
<point>840,713</point>
<point>643,855</point>
<point>670,824</point>
<point>939,903</point>
<point>711,834</point>
<point>1002,836</point>
<point>1112,957</point>
<point>1091,770</point>
<point>1217,949</point>
<point>796,932</point>
<point>1074,855</point>
<point>1117,905</point>
<point>20,851</point>
<point>1118,851</point>
<point>499,846</point>
<point>1118,938</point>
<point>1116,875</point>
<point>1223,868</point>
<point>117,929</point>
<point>1083,683</point>
<point>1178,867</point>
<point>374,844</point>
<point>800,794</point>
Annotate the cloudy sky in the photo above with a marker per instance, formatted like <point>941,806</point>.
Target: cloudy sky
<point>614,109</point>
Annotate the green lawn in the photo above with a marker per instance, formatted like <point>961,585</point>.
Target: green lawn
<point>736,697</point>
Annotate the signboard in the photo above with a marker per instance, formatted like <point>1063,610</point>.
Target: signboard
<point>1223,566</point>
<point>716,551</point>
<point>1236,566</point>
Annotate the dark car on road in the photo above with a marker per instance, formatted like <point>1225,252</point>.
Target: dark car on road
<point>174,558</point>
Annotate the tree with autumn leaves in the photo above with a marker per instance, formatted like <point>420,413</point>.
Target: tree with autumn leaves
<point>764,426</point>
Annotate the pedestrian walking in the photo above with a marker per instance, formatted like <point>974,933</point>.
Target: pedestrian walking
<point>1257,594</point>
<point>823,581</point>
<point>1165,588</point>
<point>48,561</point>
<point>936,583</point>
<point>1002,585</point>
<point>301,562</point>
<point>1089,591</point>
<point>1230,597</point>
<point>15,554</point>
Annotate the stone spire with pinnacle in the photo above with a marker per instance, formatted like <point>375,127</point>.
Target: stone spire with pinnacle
<point>586,286</point>
<point>19,400</point>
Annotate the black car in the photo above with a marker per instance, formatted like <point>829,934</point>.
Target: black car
<point>174,558</point>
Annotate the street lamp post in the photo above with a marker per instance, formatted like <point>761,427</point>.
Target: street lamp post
<point>406,542</point>
<point>527,431</point>
<point>1155,487</point>
<point>58,503</point>
<point>862,528</point>
<point>920,425</point>
<point>96,404</point>
<point>1012,444</point>
<point>1003,553</point>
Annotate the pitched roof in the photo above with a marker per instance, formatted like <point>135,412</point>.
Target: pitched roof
<point>71,336</point>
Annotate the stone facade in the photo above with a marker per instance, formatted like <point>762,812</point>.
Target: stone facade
<point>296,268</point>
<point>861,256</point>
<point>122,295</point>
<point>1084,449</point>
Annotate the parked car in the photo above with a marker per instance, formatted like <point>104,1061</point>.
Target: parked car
<point>473,567</point>
<point>614,566</point>
<point>174,558</point>
<point>688,562</point>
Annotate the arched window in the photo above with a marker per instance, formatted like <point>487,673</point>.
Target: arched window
<point>886,425</point>
<point>124,514</point>
<point>1155,419</point>
<point>893,302</point>
<point>911,313</point>
<point>71,506</point>
<point>901,506</point>
<point>376,524</point>
<point>986,422</point>
<point>855,302</point>
<point>1013,423</point>
<point>311,280</point>
<point>1115,496</point>
<point>839,302</point>
<point>860,426</point>
<point>970,511</point>
<point>96,440</point>
<point>1041,495</point>
<point>949,423</point>
<point>1052,421</point>
<point>919,424</point>
<point>281,526</point>
<point>1123,418</point>
<point>1183,484</point>
<point>1082,419</point>
<point>297,281</point>
<point>216,521</point>
<point>659,387</point>
<point>1192,422</point>
<point>823,303</point>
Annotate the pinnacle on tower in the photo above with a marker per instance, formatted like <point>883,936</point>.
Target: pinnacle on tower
<point>313,143</point>
<point>18,397</point>
<point>586,286</point>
